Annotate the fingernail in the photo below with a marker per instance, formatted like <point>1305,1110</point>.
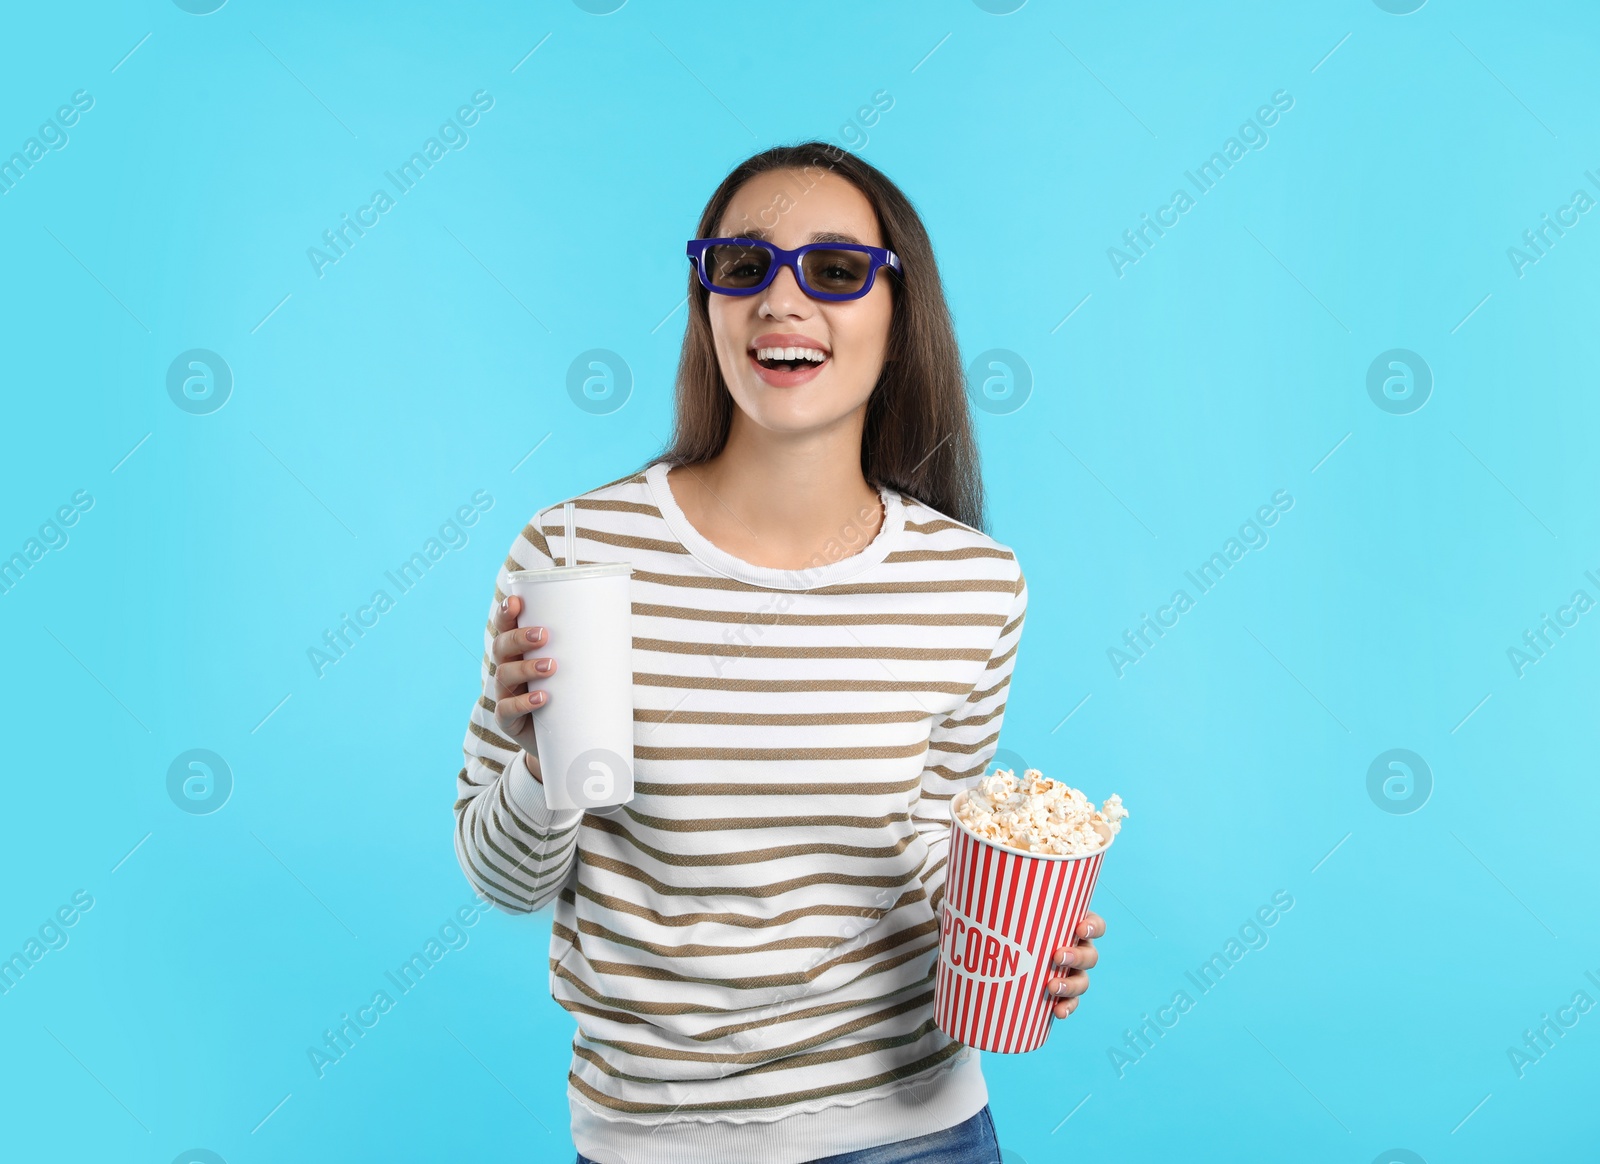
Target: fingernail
<point>534,634</point>
<point>542,666</point>
<point>1059,960</point>
<point>536,698</point>
<point>505,603</point>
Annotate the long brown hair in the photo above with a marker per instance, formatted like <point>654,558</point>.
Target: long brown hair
<point>918,434</point>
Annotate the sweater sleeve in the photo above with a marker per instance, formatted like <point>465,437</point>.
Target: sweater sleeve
<point>515,850</point>
<point>961,746</point>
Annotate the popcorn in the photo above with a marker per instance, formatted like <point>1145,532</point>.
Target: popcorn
<point>1037,814</point>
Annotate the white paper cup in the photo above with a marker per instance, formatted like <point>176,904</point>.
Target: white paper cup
<point>1004,914</point>
<point>585,732</point>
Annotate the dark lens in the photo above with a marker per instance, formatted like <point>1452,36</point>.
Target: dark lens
<point>733,266</point>
<point>836,272</point>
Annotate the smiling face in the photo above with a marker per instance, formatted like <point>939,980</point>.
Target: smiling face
<point>795,364</point>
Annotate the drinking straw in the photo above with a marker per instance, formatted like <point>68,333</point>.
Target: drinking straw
<point>572,558</point>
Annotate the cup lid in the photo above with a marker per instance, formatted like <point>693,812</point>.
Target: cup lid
<point>561,573</point>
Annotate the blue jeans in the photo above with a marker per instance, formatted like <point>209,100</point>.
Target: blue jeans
<point>972,1142</point>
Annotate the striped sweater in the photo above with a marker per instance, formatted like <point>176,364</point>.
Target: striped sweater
<point>748,946</point>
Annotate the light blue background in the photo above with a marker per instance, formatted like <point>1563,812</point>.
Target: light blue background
<point>425,365</point>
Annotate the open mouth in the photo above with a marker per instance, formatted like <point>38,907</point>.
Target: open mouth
<point>788,359</point>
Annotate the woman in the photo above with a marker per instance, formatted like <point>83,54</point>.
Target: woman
<point>823,641</point>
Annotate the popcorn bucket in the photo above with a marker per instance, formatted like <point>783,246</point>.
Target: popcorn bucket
<point>1004,915</point>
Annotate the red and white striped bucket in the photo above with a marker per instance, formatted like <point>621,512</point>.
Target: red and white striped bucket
<point>1005,913</point>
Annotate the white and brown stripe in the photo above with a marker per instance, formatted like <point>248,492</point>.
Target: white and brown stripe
<point>756,929</point>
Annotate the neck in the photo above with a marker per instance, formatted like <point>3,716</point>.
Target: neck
<point>778,500</point>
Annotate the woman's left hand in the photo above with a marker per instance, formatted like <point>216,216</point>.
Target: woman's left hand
<point>1072,962</point>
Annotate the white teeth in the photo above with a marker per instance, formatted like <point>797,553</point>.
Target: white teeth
<point>812,354</point>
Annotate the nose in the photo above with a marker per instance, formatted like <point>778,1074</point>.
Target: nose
<point>784,293</point>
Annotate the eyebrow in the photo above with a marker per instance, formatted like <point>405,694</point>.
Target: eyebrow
<point>821,236</point>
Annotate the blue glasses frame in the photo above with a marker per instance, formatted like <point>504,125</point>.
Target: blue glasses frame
<point>880,257</point>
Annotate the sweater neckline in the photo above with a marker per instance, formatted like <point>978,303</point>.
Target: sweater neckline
<point>720,561</point>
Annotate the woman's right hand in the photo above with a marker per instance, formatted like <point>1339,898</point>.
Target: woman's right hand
<point>512,686</point>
